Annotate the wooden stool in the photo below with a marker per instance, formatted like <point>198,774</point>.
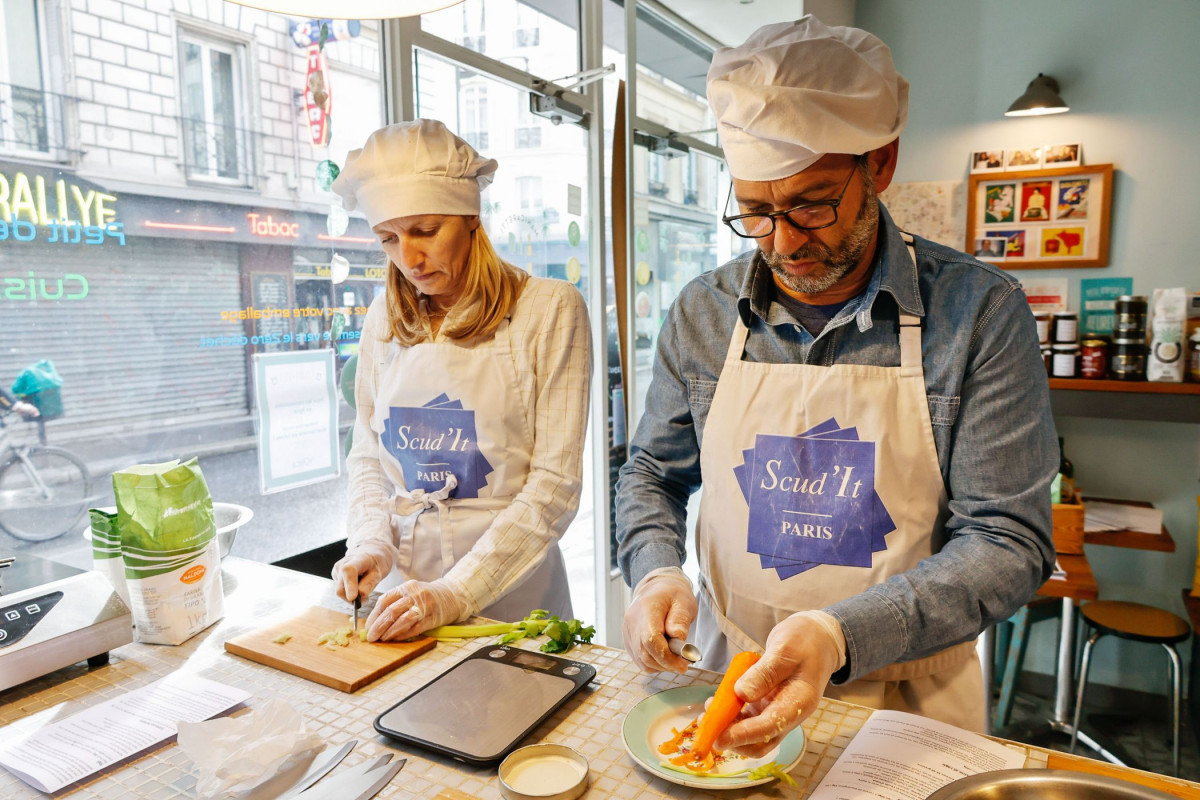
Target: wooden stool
<point>1137,623</point>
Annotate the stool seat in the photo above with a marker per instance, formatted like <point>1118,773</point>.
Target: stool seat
<point>1137,622</point>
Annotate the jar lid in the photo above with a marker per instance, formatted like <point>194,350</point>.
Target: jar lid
<point>1041,315</point>
<point>1196,336</point>
<point>1066,314</point>
<point>1094,342</point>
<point>1064,348</point>
<point>1132,298</point>
<point>1129,341</point>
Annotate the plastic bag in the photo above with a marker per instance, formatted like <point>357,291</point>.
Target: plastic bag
<point>170,549</point>
<point>37,378</point>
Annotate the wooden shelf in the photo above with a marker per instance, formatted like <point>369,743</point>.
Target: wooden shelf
<point>1161,541</point>
<point>1141,387</point>
<point>1143,400</point>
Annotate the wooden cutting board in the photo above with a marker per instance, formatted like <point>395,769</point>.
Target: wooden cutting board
<point>1160,782</point>
<point>346,668</point>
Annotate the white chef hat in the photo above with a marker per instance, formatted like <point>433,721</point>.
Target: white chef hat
<point>417,167</point>
<point>795,91</point>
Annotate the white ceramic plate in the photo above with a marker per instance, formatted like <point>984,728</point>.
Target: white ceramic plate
<point>648,724</point>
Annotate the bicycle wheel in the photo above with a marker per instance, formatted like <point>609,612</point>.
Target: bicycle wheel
<point>37,513</point>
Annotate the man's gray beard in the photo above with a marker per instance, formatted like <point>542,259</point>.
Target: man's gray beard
<point>836,265</point>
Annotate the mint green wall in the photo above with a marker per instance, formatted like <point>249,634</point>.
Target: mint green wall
<point>1130,72</point>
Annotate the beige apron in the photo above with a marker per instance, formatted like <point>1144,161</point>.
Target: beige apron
<point>741,600</point>
<point>451,414</point>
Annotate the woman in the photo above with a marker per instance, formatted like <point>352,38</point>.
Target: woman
<point>471,391</point>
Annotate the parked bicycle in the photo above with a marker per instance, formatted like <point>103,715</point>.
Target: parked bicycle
<point>44,490</point>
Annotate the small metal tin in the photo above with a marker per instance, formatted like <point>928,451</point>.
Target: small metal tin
<point>1128,362</point>
<point>543,772</point>
<point>1129,317</point>
<point>685,650</point>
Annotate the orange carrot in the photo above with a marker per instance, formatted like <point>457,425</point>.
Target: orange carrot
<point>724,708</point>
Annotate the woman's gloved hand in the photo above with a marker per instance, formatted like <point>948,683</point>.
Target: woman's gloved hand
<point>414,607</point>
<point>361,569</point>
<point>663,605</point>
<point>786,684</point>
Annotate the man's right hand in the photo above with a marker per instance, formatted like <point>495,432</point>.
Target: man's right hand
<point>27,410</point>
<point>361,570</point>
<point>663,605</point>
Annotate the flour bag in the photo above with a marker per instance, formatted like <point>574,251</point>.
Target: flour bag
<point>106,550</point>
<point>1168,318</point>
<point>169,546</point>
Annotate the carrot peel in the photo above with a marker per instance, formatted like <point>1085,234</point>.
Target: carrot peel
<point>723,709</point>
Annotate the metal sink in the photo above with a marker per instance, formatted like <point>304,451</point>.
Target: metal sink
<point>1044,784</point>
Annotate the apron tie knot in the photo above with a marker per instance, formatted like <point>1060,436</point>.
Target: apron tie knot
<point>409,505</point>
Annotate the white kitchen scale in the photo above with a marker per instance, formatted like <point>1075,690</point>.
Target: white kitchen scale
<point>52,616</point>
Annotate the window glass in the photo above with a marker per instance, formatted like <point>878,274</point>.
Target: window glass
<point>540,37</point>
<point>536,214</point>
<point>177,227</point>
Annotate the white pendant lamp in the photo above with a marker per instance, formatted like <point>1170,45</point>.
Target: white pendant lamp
<point>353,9</point>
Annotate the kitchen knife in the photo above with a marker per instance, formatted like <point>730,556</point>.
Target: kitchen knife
<point>320,768</point>
<point>360,782</point>
<point>354,619</point>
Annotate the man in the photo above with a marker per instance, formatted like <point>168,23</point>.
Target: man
<point>868,413</point>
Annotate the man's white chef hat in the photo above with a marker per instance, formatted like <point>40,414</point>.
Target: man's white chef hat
<point>417,167</point>
<point>795,91</point>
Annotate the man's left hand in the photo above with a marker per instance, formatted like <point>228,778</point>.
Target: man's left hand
<point>786,684</point>
<point>28,410</point>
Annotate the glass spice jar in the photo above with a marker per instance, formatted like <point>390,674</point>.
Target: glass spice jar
<point>1043,327</point>
<point>1064,327</point>
<point>1129,317</point>
<point>1093,362</point>
<point>1065,361</point>
<point>1128,359</point>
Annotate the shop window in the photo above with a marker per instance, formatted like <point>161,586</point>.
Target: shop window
<point>473,112</point>
<point>215,145</point>
<point>511,31</point>
<point>530,190</point>
<point>30,116</point>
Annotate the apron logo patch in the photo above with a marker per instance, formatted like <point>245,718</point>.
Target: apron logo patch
<point>812,500</point>
<point>434,442</point>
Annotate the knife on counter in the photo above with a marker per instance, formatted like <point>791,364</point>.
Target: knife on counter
<point>360,782</point>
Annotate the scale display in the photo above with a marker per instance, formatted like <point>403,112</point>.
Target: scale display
<point>479,709</point>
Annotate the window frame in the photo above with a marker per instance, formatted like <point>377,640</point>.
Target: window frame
<point>240,50</point>
<point>54,116</point>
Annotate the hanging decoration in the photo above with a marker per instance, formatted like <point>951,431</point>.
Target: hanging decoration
<point>318,102</point>
<point>339,268</point>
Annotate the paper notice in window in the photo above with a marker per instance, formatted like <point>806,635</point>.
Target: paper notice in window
<point>56,755</point>
<point>899,756</point>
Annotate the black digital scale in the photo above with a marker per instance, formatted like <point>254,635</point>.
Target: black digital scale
<point>480,708</point>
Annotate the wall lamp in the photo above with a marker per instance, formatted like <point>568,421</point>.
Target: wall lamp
<point>1041,97</point>
<point>339,9</point>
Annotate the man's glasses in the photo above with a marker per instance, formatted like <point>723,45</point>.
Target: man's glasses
<point>806,216</point>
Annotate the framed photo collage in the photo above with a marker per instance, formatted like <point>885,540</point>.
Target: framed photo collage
<point>1041,218</point>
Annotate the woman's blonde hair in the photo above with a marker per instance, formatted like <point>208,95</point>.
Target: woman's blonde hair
<point>492,288</point>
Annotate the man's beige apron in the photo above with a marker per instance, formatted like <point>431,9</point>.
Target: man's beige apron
<point>435,527</point>
<point>740,600</point>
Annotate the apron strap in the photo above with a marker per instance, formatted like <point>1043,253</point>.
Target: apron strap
<point>738,637</point>
<point>737,342</point>
<point>910,329</point>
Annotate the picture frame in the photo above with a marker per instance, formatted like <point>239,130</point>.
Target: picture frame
<point>1024,158</point>
<point>1062,155</point>
<point>987,161</point>
<point>1057,217</point>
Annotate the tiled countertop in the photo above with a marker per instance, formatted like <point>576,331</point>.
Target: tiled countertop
<point>257,594</point>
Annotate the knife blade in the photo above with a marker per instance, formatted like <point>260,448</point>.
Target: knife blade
<point>354,617</point>
<point>360,782</point>
<point>320,768</point>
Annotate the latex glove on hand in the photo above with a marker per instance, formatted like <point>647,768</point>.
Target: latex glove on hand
<point>361,570</point>
<point>786,684</point>
<point>414,607</point>
<point>663,605</point>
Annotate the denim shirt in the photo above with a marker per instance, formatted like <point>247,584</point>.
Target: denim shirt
<point>989,403</point>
